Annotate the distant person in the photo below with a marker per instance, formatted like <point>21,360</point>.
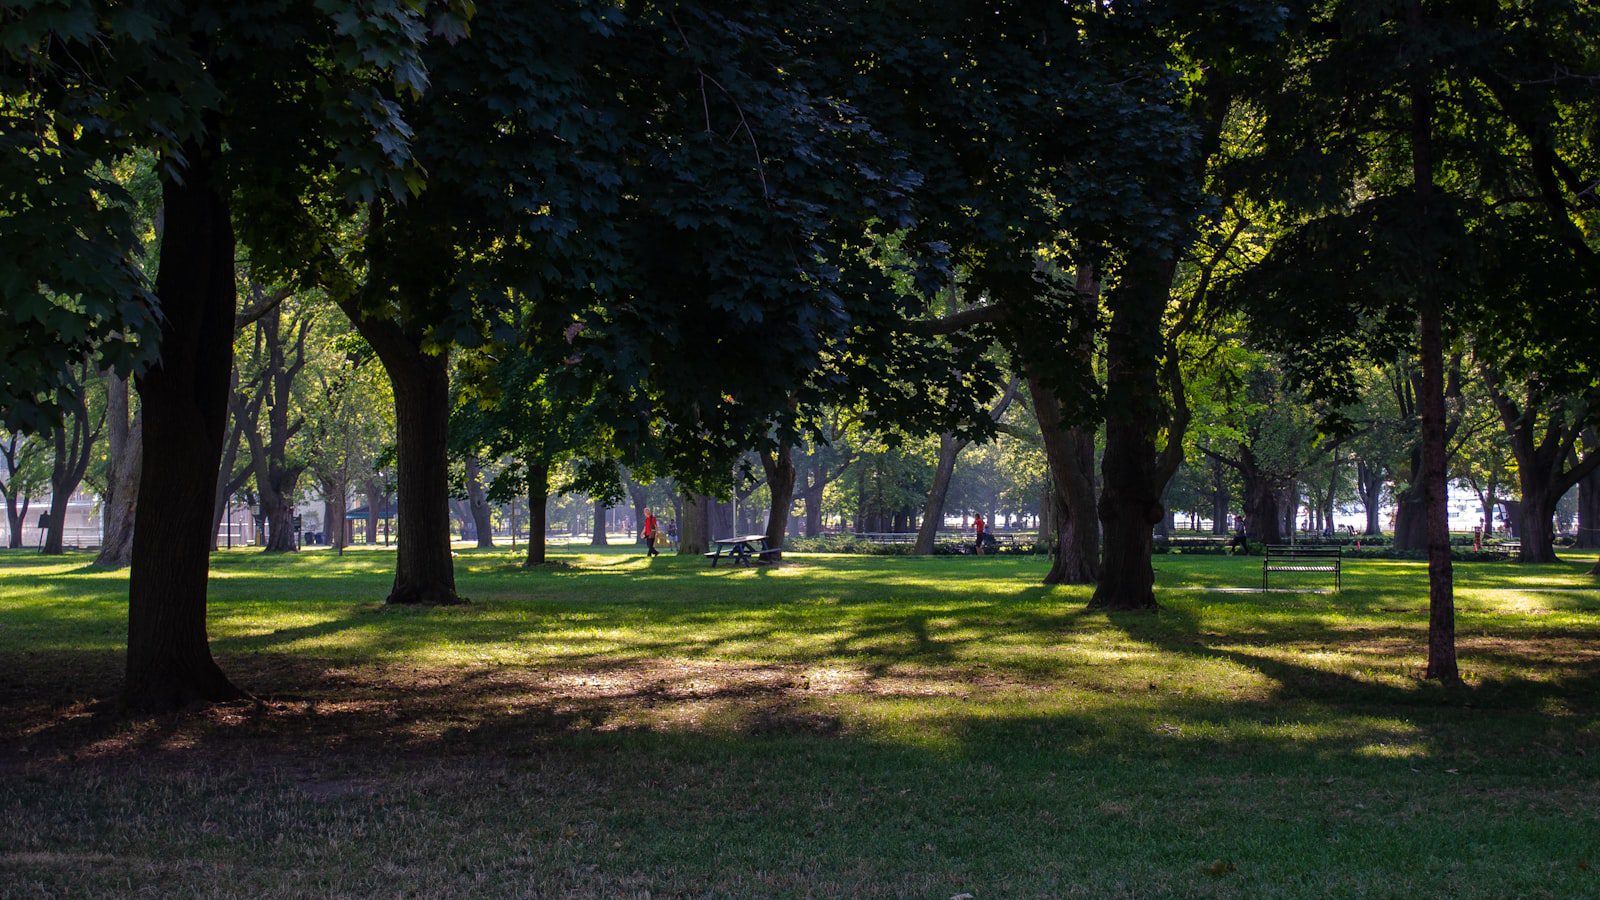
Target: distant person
<point>650,531</point>
<point>672,533</point>
<point>978,534</point>
<point>1239,542</point>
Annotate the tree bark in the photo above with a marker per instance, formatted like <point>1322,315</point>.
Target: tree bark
<point>478,504</point>
<point>1369,484</point>
<point>694,531</point>
<point>781,475</point>
<point>950,447</point>
<point>74,440</point>
<point>12,453</point>
<point>597,537</point>
<point>1441,594</point>
<point>126,450</point>
<point>1538,526</point>
<point>1411,513</point>
<point>184,398</point>
<point>1263,521</point>
<point>277,480</point>
<point>1130,500</point>
<point>1589,511</point>
<point>335,503</point>
<point>424,573</point>
<point>813,500</point>
<point>538,512</point>
<point>375,497</point>
<point>1069,463</point>
<point>1219,498</point>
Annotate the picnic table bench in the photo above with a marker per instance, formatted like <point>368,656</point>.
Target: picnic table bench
<point>741,549</point>
<point>1290,558</point>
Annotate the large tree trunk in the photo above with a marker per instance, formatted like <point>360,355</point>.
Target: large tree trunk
<point>424,572</point>
<point>1069,463</point>
<point>126,451</point>
<point>184,398</point>
<point>1538,522</point>
<point>1130,499</point>
<point>1263,519</point>
<point>597,537</point>
<point>478,504</point>
<point>694,531</point>
<point>335,502</point>
<point>538,512</point>
<point>950,447</point>
<point>1411,515</point>
<point>813,499</point>
<point>780,485</point>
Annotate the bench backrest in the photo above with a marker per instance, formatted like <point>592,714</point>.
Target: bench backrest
<point>1313,552</point>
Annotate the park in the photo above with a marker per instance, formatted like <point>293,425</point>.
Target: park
<point>598,448</point>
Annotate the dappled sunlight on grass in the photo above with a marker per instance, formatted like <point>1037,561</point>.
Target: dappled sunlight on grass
<point>922,652</point>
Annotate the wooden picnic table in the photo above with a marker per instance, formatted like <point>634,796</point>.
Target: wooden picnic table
<point>741,549</point>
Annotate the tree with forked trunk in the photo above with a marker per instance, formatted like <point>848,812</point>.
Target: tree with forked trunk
<point>277,357</point>
<point>1546,435</point>
<point>25,473</point>
<point>74,439</point>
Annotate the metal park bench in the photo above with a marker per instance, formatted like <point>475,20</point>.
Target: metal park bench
<point>1302,559</point>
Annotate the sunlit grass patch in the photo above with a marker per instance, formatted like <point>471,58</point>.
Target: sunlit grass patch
<point>833,726</point>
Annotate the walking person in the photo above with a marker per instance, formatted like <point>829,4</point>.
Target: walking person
<point>978,526</point>
<point>650,532</point>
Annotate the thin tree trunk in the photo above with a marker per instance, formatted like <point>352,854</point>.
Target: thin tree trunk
<point>375,498</point>
<point>950,447</point>
<point>538,512</point>
<point>1441,594</point>
<point>1589,511</point>
<point>184,398</point>
<point>1369,484</point>
<point>126,440</point>
<point>478,504</point>
<point>597,537</point>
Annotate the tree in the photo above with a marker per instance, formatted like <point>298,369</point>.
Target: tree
<point>147,75</point>
<point>276,358</point>
<point>74,440</point>
<point>124,457</point>
<point>22,456</point>
<point>950,446</point>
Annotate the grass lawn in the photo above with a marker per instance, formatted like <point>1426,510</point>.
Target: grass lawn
<point>837,726</point>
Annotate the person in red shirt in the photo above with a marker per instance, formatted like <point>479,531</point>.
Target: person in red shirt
<point>977,546</point>
<point>650,529</point>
